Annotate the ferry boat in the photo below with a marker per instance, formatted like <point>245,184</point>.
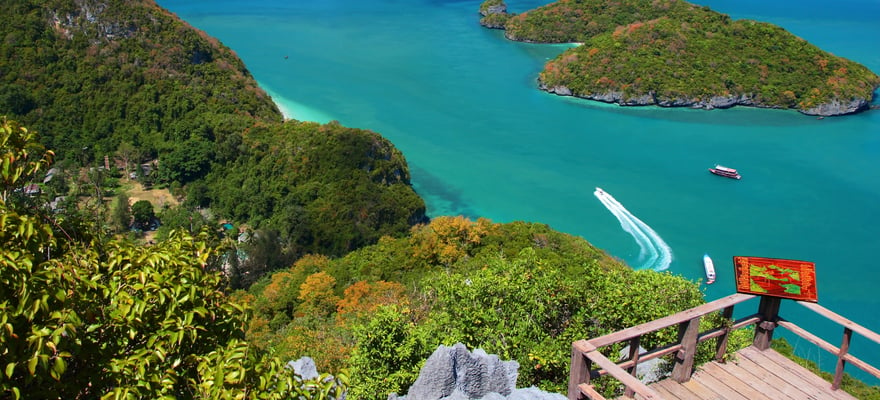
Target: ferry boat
<point>721,170</point>
<point>710,269</point>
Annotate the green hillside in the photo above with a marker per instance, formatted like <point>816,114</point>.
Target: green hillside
<point>129,83</point>
<point>519,290</point>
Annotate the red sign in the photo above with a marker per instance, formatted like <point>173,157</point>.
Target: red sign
<point>790,279</point>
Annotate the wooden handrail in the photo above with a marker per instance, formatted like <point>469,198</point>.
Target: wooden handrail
<point>672,348</point>
<point>671,320</point>
<point>842,352</point>
<point>861,330</point>
<point>586,352</point>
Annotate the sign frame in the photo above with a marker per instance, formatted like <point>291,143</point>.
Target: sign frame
<point>776,277</point>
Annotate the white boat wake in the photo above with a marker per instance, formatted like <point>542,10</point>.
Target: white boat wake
<point>655,253</point>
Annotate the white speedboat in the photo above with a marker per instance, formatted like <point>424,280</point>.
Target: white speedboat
<point>710,269</point>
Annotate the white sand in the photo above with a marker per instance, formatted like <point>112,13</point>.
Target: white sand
<point>295,110</point>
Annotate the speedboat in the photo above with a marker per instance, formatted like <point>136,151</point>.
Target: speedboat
<point>709,266</point>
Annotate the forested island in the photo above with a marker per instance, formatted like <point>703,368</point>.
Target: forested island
<point>284,238</point>
<point>671,53</point>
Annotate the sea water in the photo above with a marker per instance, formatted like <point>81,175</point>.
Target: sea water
<point>462,104</point>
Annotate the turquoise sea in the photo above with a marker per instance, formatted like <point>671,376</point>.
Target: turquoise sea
<point>461,102</point>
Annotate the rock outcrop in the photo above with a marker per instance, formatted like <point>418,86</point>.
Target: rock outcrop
<point>454,373</point>
<point>837,107</point>
<point>832,108</point>
<point>494,14</point>
<point>304,367</point>
<point>87,16</point>
<point>499,8</point>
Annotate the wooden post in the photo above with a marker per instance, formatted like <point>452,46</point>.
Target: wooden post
<point>580,368</point>
<point>634,344</point>
<point>844,348</point>
<point>721,345</point>
<point>769,311</point>
<point>688,332</point>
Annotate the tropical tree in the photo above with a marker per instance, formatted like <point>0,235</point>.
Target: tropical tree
<point>121,219</point>
<point>143,214</point>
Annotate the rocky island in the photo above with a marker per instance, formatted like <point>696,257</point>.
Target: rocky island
<point>671,53</point>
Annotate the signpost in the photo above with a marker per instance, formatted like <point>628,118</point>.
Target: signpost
<point>790,279</point>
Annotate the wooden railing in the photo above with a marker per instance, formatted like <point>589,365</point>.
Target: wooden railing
<point>842,353</point>
<point>585,353</point>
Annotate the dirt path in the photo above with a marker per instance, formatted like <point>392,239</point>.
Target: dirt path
<point>159,198</point>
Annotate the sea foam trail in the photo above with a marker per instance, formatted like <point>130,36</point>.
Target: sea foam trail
<point>654,252</point>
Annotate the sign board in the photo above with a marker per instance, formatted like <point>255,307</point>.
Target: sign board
<point>790,279</point>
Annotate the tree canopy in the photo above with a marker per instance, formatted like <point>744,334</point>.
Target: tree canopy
<point>143,213</point>
<point>88,316</point>
<point>519,290</point>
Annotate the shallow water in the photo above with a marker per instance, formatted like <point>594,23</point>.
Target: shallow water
<point>461,102</point>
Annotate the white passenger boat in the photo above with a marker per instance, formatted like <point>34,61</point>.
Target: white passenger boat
<point>726,172</point>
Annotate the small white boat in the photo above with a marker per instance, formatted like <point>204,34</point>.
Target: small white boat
<point>710,269</point>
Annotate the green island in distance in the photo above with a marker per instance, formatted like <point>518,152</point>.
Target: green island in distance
<point>671,53</point>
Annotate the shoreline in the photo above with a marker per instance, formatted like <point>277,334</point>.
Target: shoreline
<point>302,113</point>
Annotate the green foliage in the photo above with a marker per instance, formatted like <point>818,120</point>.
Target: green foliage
<point>236,372</point>
<point>22,157</point>
<point>326,189</point>
<point>16,100</point>
<point>189,161</point>
<point>568,21</point>
<point>142,213</point>
<point>389,354</point>
<point>120,72</point>
<point>121,218</point>
<point>197,195</point>
<point>528,309</point>
<point>498,21</point>
<point>264,251</point>
<point>112,319</point>
<point>182,219</point>
<point>519,290</point>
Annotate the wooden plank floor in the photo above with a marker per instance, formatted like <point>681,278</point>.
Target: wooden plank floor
<point>754,375</point>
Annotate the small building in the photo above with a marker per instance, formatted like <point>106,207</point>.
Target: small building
<point>50,174</point>
<point>56,205</point>
<point>32,189</point>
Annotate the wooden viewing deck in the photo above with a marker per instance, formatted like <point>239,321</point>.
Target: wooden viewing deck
<point>757,372</point>
<point>753,375</point>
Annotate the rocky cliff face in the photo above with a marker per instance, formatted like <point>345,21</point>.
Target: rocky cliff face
<point>834,107</point>
<point>87,17</point>
<point>454,373</point>
<point>494,9</point>
<point>838,107</point>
